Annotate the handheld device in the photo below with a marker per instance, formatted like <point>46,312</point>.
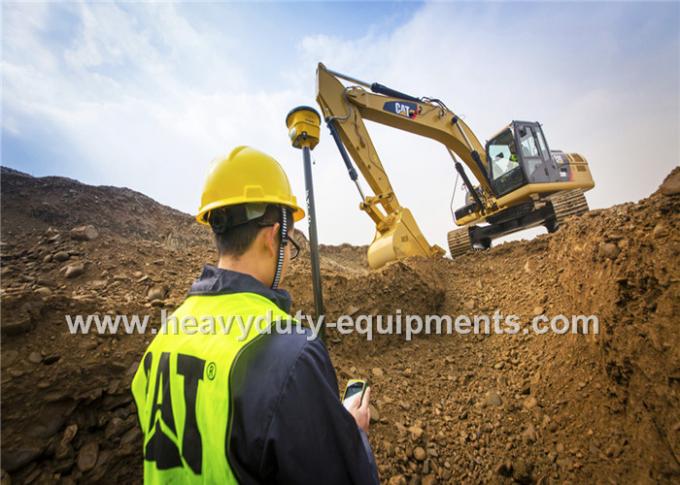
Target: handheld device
<point>354,391</point>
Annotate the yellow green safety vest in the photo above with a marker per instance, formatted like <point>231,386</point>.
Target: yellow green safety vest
<point>181,387</point>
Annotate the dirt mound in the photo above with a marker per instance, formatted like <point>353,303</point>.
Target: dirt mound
<point>447,408</point>
<point>587,406</point>
<point>31,205</point>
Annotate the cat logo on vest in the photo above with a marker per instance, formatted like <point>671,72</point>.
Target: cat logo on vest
<point>160,448</point>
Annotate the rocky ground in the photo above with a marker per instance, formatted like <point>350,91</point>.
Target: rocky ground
<point>446,409</point>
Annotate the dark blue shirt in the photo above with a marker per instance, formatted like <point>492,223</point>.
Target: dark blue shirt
<point>288,424</point>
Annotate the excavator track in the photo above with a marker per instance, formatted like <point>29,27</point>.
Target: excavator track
<point>566,204</point>
<point>563,205</point>
<point>459,241</point>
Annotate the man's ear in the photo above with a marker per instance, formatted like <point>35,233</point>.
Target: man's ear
<point>271,239</point>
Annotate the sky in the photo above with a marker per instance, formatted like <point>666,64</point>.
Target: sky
<point>146,95</point>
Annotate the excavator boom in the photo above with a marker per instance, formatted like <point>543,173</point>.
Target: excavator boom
<point>397,233</point>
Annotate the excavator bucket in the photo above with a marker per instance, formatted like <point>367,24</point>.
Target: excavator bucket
<point>400,239</point>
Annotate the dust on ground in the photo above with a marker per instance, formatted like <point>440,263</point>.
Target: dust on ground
<point>519,408</point>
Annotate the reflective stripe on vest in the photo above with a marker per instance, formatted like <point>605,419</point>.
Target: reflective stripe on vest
<point>181,387</point>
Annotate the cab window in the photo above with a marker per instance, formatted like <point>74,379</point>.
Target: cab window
<point>502,154</point>
<point>527,142</point>
<point>541,142</point>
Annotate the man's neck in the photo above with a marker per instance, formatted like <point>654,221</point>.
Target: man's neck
<point>243,264</point>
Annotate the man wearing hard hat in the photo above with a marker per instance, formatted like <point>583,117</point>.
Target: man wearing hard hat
<point>223,407</point>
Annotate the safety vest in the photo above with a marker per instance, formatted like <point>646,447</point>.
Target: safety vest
<point>181,387</point>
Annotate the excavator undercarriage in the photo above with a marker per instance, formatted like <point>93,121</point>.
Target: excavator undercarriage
<point>550,213</point>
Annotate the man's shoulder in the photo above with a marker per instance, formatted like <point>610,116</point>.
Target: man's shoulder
<point>283,346</point>
<point>273,354</point>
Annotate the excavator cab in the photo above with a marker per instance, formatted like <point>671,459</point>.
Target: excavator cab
<point>518,156</point>
<point>533,186</point>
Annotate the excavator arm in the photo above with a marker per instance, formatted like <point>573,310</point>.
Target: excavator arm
<point>345,108</point>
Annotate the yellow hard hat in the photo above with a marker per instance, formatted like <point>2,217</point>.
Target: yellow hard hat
<point>246,176</point>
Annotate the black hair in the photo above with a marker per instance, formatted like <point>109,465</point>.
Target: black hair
<point>234,233</point>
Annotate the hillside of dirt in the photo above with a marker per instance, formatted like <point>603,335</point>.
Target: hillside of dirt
<point>521,408</point>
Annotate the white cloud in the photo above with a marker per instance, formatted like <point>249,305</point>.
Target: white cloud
<point>593,96</point>
<point>136,102</point>
<point>147,98</point>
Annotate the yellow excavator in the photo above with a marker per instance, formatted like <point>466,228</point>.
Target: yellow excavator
<point>521,183</point>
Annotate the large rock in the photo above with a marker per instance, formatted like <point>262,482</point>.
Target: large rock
<point>671,185</point>
<point>84,233</point>
<point>19,312</point>
<point>419,453</point>
<point>69,433</point>
<point>16,325</point>
<point>61,256</point>
<point>12,460</point>
<point>156,293</point>
<point>87,456</point>
<point>492,399</point>
<point>74,270</point>
<point>35,357</point>
<point>43,292</point>
<point>133,435</point>
<point>530,403</point>
<point>610,250</point>
<point>118,426</point>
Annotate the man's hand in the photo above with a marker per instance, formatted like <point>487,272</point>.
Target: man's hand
<point>361,411</point>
